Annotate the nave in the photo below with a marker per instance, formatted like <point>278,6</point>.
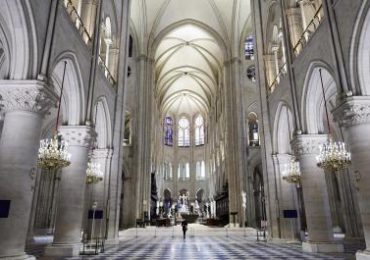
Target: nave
<point>201,243</point>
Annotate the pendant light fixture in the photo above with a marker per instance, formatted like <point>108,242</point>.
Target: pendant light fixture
<point>333,155</point>
<point>292,174</point>
<point>53,153</point>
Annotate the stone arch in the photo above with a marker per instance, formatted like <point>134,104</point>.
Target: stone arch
<point>102,122</point>
<point>134,38</point>
<point>167,195</point>
<point>73,101</point>
<point>312,101</point>
<point>259,196</point>
<point>253,129</point>
<point>272,24</point>
<point>183,191</point>
<point>360,52</point>
<point>18,34</point>
<point>5,55</point>
<point>283,129</point>
<point>246,31</point>
<point>199,195</point>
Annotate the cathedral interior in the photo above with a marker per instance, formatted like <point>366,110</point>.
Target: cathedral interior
<point>185,129</point>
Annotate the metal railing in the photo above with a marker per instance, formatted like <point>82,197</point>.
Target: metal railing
<point>77,20</point>
<point>310,29</point>
<point>106,71</point>
<point>276,81</point>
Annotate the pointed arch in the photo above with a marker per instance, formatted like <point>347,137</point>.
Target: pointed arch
<point>73,101</point>
<point>102,123</point>
<point>283,129</point>
<point>312,101</point>
<point>360,52</point>
<point>18,33</point>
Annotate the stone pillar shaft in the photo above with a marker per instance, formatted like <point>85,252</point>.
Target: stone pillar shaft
<point>70,204</point>
<point>289,227</point>
<point>354,116</point>
<point>24,102</point>
<point>315,195</point>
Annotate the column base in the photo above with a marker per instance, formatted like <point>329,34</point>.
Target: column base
<point>285,240</point>
<point>363,255</point>
<point>322,247</point>
<point>22,256</point>
<point>63,250</point>
<point>112,241</point>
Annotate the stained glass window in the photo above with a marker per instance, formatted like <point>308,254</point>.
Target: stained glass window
<point>168,131</point>
<point>184,132</point>
<point>200,169</point>
<point>167,171</point>
<point>251,73</point>
<point>199,130</point>
<point>253,130</point>
<point>249,48</point>
<point>183,171</point>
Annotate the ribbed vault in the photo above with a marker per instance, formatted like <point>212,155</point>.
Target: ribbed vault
<point>188,61</point>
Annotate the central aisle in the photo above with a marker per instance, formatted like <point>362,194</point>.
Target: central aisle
<point>201,243</point>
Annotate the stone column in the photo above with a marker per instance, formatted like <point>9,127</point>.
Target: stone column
<point>295,25</point>
<point>271,71</point>
<point>234,140</point>
<point>70,202</point>
<point>113,62</point>
<point>283,50</point>
<point>302,4</point>
<point>24,103</point>
<point>353,115</point>
<point>108,43</point>
<point>103,157</point>
<point>98,192</point>
<point>275,51</point>
<point>116,163</point>
<point>88,15</point>
<point>289,227</point>
<point>315,195</point>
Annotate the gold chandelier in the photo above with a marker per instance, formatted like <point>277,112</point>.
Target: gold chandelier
<point>293,173</point>
<point>93,173</point>
<point>53,153</point>
<point>333,155</point>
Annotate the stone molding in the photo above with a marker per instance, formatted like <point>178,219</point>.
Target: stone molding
<point>308,144</point>
<point>101,153</point>
<point>353,111</point>
<point>283,158</point>
<point>232,60</point>
<point>77,135</point>
<point>26,95</point>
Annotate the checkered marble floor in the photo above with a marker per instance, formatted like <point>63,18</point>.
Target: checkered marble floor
<point>203,247</point>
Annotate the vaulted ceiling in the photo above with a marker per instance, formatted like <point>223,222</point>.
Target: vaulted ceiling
<point>188,61</point>
<point>189,41</point>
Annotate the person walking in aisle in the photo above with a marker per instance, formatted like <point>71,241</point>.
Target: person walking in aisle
<point>184,225</point>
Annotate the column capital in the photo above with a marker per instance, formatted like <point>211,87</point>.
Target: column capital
<point>26,95</point>
<point>353,111</point>
<point>282,158</point>
<point>308,144</point>
<point>77,135</point>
